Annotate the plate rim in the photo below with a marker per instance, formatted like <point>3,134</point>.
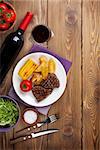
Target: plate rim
<point>51,102</point>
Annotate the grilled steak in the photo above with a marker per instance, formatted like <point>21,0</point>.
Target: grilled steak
<point>51,82</point>
<point>40,93</point>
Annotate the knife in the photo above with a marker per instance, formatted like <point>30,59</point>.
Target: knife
<point>49,119</point>
<point>33,135</point>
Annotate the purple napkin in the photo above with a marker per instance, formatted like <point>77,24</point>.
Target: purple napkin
<point>65,63</point>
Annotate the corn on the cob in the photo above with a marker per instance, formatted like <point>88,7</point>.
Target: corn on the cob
<point>27,69</point>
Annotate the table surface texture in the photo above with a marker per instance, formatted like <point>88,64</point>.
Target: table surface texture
<point>76,27</point>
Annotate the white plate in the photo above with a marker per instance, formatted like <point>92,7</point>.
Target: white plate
<point>28,97</point>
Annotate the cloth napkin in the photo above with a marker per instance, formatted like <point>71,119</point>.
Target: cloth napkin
<point>65,63</point>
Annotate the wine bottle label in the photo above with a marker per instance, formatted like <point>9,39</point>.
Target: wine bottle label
<point>16,39</point>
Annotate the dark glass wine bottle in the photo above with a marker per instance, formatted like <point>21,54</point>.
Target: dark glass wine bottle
<point>12,46</point>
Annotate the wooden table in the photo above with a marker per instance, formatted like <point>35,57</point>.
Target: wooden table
<point>76,25</point>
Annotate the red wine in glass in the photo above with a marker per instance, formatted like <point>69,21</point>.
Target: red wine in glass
<point>41,33</point>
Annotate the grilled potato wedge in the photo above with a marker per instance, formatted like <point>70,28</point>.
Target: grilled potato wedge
<point>51,66</point>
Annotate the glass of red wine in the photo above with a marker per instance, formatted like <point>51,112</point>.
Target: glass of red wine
<point>41,33</point>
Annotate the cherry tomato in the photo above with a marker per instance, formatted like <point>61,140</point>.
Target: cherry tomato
<point>9,16</point>
<point>3,8</point>
<point>26,85</point>
<point>4,25</point>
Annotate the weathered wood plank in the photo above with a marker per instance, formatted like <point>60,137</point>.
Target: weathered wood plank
<point>5,137</point>
<point>91,75</point>
<point>39,9</point>
<point>64,19</point>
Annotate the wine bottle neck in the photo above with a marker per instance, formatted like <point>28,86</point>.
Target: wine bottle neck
<point>20,32</point>
<point>26,21</point>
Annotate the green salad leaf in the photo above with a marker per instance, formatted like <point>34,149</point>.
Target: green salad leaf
<point>8,112</point>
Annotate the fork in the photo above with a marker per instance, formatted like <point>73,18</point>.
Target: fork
<point>49,119</point>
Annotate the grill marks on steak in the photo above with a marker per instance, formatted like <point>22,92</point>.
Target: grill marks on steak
<point>46,87</point>
<point>41,93</point>
<point>51,82</point>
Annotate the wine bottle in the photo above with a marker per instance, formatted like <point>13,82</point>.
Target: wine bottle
<point>12,46</point>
